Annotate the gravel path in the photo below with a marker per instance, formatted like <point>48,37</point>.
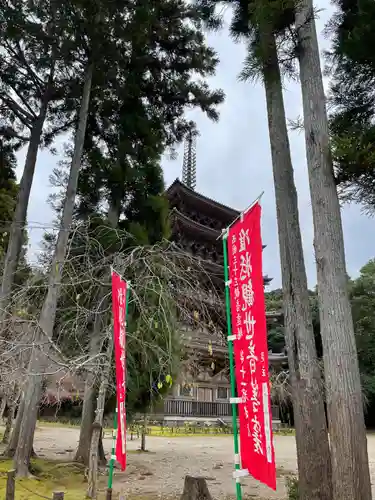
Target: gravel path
<point>161,471</point>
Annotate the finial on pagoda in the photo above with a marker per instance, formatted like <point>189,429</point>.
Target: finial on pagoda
<point>189,165</point>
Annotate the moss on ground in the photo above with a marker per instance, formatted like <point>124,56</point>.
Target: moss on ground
<point>48,476</point>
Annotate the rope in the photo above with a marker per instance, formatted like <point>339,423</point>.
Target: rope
<point>19,483</point>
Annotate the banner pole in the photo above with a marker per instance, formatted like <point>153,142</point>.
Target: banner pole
<point>113,457</point>
<point>237,465</point>
<point>240,216</point>
<point>115,420</point>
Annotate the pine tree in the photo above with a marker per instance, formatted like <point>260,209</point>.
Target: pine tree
<point>352,65</point>
<point>348,443</point>
<point>38,81</point>
<point>163,61</point>
<point>95,21</point>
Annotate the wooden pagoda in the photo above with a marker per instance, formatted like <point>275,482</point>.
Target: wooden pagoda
<point>202,392</point>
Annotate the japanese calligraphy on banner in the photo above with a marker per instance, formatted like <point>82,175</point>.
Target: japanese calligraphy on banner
<point>119,297</point>
<point>250,346</point>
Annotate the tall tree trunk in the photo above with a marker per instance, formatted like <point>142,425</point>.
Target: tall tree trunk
<point>9,421</point>
<point>48,313</point>
<point>3,406</point>
<point>12,446</point>
<point>144,433</point>
<point>12,405</point>
<point>92,489</point>
<point>19,219</point>
<point>83,450</point>
<point>313,452</point>
<point>350,467</point>
<point>101,452</point>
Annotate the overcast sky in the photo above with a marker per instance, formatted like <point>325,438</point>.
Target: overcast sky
<point>234,163</point>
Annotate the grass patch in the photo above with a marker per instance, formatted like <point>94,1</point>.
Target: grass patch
<point>184,431</point>
<point>49,476</point>
<point>57,424</point>
<point>158,431</point>
<point>284,432</point>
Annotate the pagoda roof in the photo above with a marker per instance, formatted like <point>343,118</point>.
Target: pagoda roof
<point>206,233</point>
<point>196,227</point>
<point>208,205</point>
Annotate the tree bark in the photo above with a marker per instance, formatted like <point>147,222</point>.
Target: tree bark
<point>101,452</point>
<point>3,406</point>
<point>312,442</point>
<point>10,450</point>
<point>11,485</point>
<point>88,410</point>
<point>350,467</point>
<point>83,450</point>
<point>28,422</point>
<point>8,424</point>
<point>48,313</point>
<point>144,432</point>
<point>19,219</point>
<point>195,488</point>
<point>12,404</point>
<point>92,490</point>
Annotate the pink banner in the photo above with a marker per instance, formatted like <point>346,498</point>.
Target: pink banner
<point>119,297</point>
<point>250,346</point>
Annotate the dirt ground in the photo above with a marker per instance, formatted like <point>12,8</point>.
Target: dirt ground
<point>161,471</point>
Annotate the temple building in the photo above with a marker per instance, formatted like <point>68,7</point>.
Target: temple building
<point>203,389</point>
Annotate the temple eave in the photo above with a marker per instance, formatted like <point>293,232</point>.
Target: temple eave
<point>177,187</point>
<point>192,226</point>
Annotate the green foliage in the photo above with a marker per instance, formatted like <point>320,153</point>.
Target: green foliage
<point>292,488</point>
<point>253,21</point>
<point>274,300</point>
<point>154,349</point>
<point>8,198</point>
<point>352,95</point>
<point>39,46</point>
<point>362,297</point>
<point>275,332</point>
<point>276,338</point>
<point>362,294</point>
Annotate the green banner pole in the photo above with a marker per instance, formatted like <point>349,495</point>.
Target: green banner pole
<point>237,465</point>
<point>115,420</point>
<point>113,457</point>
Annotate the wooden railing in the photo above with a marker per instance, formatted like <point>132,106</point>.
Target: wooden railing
<point>186,408</point>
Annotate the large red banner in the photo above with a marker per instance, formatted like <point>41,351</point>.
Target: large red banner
<point>250,346</point>
<point>119,298</point>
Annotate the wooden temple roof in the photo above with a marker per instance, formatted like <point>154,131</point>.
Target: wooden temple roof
<point>222,212</point>
<point>194,227</point>
<point>186,225</point>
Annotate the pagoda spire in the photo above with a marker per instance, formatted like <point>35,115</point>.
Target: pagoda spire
<point>189,165</point>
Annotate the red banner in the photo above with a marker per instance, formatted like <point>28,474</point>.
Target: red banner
<point>250,346</point>
<point>119,297</point>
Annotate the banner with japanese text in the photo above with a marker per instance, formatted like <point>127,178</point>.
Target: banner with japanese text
<point>250,346</point>
<point>119,298</point>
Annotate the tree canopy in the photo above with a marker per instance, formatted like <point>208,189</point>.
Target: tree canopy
<point>353,100</point>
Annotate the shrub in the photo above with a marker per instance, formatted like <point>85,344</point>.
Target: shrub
<point>292,488</point>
